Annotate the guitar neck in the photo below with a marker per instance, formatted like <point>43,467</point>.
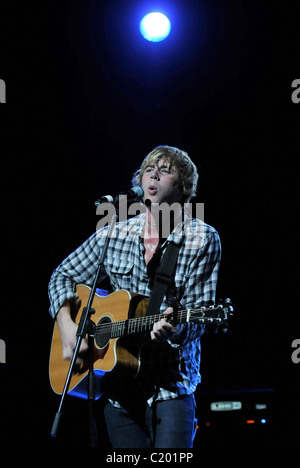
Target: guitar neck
<point>134,325</point>
<point>214,315</point>
<point>144,324</point>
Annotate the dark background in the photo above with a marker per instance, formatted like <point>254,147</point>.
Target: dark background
<point>87,99</point>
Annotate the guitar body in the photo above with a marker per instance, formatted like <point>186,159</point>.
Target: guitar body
<point>113,354</point>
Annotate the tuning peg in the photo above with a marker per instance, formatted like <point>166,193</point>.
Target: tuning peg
<point>228,305</point>
<point>227,301</point>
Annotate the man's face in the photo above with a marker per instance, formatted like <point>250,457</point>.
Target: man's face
<point>158,183</point>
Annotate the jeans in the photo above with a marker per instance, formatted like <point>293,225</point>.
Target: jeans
<point>166,424</point>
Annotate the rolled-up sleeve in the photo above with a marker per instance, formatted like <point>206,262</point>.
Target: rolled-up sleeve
<point>79,267</point>
<point>200,286</point>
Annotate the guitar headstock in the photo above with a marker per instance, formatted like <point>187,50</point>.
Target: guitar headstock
<point>216,317</point>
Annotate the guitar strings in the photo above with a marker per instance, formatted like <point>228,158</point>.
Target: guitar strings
<point>142,323</point>
<point>130,325</point>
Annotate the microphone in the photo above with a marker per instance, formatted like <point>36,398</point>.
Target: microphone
<point>135,193</point>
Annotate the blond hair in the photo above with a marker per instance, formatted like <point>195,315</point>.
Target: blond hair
<point>186,178</point>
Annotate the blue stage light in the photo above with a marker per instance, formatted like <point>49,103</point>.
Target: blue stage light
<point>155,27</point>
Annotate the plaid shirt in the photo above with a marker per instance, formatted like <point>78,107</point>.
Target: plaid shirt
<point>170,368</point>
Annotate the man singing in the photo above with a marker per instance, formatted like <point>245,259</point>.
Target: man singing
<point>155,408</point>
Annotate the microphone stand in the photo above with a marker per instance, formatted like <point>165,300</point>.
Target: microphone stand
<point>86,327</point>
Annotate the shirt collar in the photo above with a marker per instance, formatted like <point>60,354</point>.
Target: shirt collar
<point>176,236</point>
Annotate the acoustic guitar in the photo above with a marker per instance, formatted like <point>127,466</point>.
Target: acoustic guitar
<point>117,317</point>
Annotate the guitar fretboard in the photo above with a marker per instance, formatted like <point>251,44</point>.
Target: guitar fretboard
<point>138,325</point>
<point>143,324</point>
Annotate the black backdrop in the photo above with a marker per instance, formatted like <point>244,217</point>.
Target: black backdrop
<point>87,99</point>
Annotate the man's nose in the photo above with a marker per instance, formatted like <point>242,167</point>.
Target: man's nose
<point>155,173</point>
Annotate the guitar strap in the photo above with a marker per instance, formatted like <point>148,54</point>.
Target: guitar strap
<point>163,278</point>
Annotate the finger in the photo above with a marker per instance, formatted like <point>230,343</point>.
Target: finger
<point>69,351</point>
<point>83,347</point>
<point>158,336</point>
<point>161,333</point>
<point>79,361</point>
<point>167,327</point>
<point>168,311</point>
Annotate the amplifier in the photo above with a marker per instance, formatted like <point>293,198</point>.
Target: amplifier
<point>242,406</point>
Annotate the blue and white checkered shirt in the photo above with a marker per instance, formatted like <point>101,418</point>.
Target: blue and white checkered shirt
<point>175,364</point>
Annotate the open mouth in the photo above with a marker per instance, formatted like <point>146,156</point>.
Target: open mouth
<point>152,190</point>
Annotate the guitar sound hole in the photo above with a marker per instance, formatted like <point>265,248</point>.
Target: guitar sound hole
<point>103,332</point>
